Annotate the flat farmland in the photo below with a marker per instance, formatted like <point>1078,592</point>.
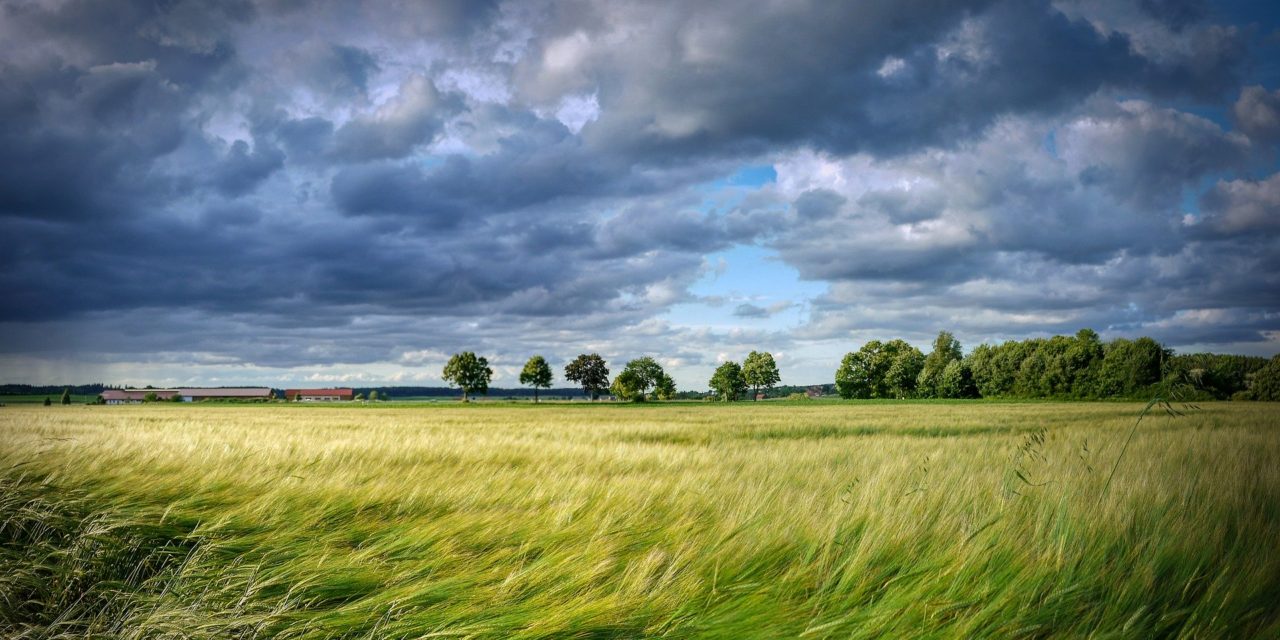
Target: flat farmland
<point>768,520</point>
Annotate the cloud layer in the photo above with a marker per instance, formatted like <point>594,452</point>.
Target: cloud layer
<point>194,191</point>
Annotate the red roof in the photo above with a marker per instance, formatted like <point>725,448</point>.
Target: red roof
<point>137,394</point>
<point>226,392</point>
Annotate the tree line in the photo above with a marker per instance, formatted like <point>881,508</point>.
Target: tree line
<point>1062,367</point>
<point>1082,367</point>
<point>1065,367</point>
<point>640,379</point>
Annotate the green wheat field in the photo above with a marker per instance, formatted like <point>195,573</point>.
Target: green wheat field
<point>768,520</point>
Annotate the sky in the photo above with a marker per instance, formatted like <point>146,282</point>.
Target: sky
<point>274,192</point>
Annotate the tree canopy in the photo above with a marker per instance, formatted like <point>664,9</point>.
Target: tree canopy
<point>468,372</point>
<point>946,349</point>
<point>665,389</point>
<point>880,370</point>
<point>759,371</point>
<point>1076,366</point>
<point>727,381</point>
<point>643,373</point>
<point>1264,384</point>
<point>536,373</point>
<point>590,372</point>
<point>628,386</point>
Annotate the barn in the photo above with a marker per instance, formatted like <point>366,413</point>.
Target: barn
<point>228,393</point>
<point>135,396</point>
<point>190,394</point>
<point>319,395</point>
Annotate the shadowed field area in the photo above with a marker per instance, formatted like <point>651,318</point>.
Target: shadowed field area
<point>685,520</point>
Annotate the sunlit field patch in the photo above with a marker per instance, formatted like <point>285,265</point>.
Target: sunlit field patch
<point>859,520</point>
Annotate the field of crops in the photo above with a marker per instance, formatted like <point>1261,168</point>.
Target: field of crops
<point>850,520</point>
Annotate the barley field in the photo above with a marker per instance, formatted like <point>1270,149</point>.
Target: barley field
<point>769,520</point>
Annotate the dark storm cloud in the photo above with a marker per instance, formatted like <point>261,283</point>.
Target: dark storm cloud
<point>1111,183</point>
<point>538,163</point>
<point>336,70</point>
<point>77,141</point>
<point>305,140</point>
<point>1240,207</point>
<point>188,39</point>
<point>396,128</point>
<point>339,180</point>
<point>243,169</point>
<point>818,204</point>
<point>1085,230</point>
<point>1176,13</point>
<point>1147,154</point>
<point>1257,113</point>
<point>888,77</point>
<point>96,97</point>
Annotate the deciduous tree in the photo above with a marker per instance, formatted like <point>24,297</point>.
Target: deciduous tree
<point>590,372</point>
<point>1264,384</point>
<point>666,388</point>
<point>760,372</point>
<point>902,364</point>
<point>1130,366</point>
<point>946,349</point>
<point>957,381</point>
<point>856,376</point>
<point>727,381</point>
<point>536,373</point>
<point>468,372</point>
<point>628,386</point>
<point>647,373</point>
<point>880,370</point>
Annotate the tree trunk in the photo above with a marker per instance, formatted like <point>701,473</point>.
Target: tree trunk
<point>464,396</point>
<point>535,395</point>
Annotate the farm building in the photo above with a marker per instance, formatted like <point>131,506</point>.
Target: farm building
<point>134,396</point>
<point>319,395</point>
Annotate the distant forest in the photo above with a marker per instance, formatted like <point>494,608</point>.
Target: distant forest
<point>52,389</point>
